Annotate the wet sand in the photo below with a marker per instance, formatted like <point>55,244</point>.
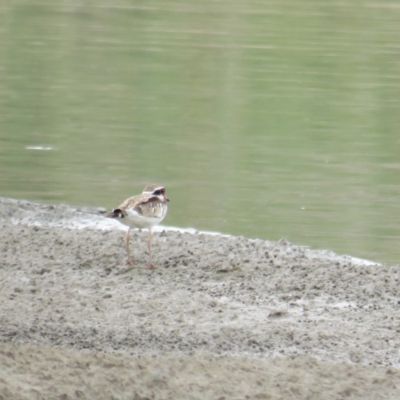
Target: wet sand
<point>220,318</point>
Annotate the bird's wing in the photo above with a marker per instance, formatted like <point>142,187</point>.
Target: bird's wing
<point>144,204</point>
<point>151,208</point>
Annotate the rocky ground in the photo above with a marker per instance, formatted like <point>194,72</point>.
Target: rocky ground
<point>220,318</point>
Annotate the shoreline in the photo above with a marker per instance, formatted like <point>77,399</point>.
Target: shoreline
<point>46,215</point>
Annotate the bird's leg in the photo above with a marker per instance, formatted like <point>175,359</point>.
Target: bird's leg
<point>128,251</point>
<point>150,265</point>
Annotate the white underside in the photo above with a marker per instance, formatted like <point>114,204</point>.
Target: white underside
<point>135,220</point>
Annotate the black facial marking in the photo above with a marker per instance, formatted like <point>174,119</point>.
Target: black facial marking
<point>159,192</point>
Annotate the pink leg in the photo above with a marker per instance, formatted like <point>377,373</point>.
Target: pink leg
<point>150,265</point>
<point>128,251</point>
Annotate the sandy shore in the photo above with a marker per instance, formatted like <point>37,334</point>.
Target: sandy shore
<point>220,318</point>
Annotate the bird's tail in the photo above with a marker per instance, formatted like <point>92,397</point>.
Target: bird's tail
<point>116,213</point>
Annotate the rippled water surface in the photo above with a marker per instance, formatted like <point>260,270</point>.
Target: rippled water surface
<point>264,119</point>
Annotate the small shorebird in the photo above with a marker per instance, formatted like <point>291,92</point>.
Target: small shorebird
<point>142,211</point>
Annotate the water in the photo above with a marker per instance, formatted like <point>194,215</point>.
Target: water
<point>262,119</point>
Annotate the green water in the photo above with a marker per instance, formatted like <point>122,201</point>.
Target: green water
<point>266,119</point>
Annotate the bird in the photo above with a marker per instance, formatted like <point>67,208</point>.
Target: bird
<point>145,210</point>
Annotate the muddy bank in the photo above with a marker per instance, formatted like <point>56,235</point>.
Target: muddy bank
<point>267,319</point>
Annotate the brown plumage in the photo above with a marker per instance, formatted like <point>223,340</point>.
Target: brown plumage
<point>142,211</point>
